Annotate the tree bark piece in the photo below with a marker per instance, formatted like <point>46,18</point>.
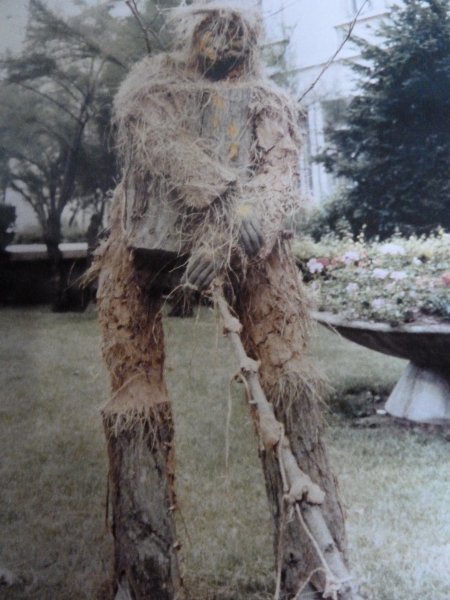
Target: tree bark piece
<point>138,427</point>
<point>144,534</point>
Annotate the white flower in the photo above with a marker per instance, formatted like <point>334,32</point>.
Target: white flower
<point>398,275</point>
<point>350,256</point>
<point>378,303</point>
<point>416,261</point>
<point>314,266</point>
<point>380,273</point>
<point>352,288</point>
<point>392,249</point>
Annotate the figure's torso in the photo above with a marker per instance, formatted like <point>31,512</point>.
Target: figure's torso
<point>215,119</point>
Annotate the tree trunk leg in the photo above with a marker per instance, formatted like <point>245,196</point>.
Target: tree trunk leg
<point>275,321</point>
<point>145,547</point>
<point>139,430</point>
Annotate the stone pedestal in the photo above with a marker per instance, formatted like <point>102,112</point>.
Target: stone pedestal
<point>423,392</point>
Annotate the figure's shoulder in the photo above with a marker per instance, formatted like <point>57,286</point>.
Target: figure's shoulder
<point>150,75</point>
<point>268,96</point>
<point>275,111</point>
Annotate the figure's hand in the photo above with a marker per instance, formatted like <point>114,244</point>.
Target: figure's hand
<point>250,234</point>
<point>200,271</point>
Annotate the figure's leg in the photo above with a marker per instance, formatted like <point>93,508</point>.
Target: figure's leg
<point>139,431</point>
<point>273,311</point>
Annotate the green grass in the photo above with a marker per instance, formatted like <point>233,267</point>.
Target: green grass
<point>394,481</point>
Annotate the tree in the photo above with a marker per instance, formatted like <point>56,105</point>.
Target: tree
<point>50,98</point>
<point>394,146</point>
<point>56,99</point>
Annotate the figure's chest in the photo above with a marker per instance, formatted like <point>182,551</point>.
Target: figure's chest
<point>219,118</point>
<point>211,121</point>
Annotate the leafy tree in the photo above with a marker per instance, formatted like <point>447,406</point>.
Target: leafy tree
<point>56,102</point>
<point>50,98</point>
<point>394,148</point>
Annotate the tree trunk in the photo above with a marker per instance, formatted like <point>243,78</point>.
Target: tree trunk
<point>145,546</point>
<point>52,239</point>
<point>139,431</point>
<point>274,314</point>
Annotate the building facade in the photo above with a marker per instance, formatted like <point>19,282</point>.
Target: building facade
<point>315,30</point>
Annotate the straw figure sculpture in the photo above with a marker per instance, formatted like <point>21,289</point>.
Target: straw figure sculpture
<point>210,155</point>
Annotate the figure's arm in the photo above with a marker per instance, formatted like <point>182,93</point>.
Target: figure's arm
<point>261,204</point>
<point>273,192</point>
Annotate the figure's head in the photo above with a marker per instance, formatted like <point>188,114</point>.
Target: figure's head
<point>222,45</point>
<point>222,42</point>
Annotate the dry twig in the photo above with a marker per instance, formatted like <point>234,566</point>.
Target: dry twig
<point>134,10</point>
<point>333,57</point>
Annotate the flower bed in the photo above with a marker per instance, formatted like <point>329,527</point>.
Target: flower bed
<point>401,280</point>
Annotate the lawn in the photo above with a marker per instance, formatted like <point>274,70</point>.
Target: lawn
<point>394,481</point>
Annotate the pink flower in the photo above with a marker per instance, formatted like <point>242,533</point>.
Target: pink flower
<point>380,273</point>
<point>314,266</point>
<point>398,275</point>
<point>378,303</point>
<point>446,278</point>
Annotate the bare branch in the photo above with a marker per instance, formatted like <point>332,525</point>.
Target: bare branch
<point>47,97</point>
<point>69,30</point>
<point>134,10</point>
<point>333,57</point>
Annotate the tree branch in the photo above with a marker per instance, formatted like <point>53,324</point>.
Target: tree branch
<point>47,97</point>
<point>77,34</point>
<point>333,57</point>
<point>134,10</point>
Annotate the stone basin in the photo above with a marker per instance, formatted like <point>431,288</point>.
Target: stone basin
<point>423,392</point>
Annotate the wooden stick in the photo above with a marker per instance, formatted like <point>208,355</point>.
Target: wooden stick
<point>302,493</point>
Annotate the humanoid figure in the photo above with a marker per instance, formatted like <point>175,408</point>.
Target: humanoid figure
<point>209,151</point>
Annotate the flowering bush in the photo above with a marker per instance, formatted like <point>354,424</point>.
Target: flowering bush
<point>397,281</point>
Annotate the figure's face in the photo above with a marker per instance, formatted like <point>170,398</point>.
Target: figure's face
<point>220,46</point>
